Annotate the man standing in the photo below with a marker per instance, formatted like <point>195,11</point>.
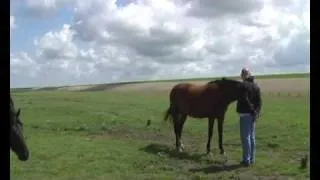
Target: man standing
<point>248,107</point>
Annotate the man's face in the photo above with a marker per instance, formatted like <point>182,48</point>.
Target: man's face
<point>244,74</point>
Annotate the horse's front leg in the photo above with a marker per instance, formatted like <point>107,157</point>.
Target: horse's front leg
<point>210,132</point>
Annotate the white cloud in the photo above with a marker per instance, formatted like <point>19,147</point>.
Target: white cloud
<point>57,45</point>
<point>21,63</point>
<point>216,8</point>
<point>152,39</point>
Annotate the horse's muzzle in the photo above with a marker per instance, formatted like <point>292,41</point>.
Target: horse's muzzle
<point>24,157</point>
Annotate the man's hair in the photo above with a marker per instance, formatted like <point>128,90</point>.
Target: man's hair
<point>245,72</point>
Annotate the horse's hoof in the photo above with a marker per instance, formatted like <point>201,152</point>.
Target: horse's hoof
<point>182,147</point>
<point>226,158</point>
<point>209,154</point>
<point>179,150</point>
<point>222,153</point>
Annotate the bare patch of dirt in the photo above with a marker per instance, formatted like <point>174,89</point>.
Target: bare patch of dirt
<point>152,135</point>
<point>289,85</point>
<point>294,85</point>
<point>126,133</point>
<point>75,88</point>
<point>266,85</point>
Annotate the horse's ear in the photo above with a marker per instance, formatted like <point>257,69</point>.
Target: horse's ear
<point>18,113</point>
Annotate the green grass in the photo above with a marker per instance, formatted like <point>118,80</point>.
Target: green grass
<point>103,135</point>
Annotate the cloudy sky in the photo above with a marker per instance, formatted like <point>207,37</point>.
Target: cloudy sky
<point>63,42</point>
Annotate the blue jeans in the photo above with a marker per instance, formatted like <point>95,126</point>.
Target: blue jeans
<point>248,139</point>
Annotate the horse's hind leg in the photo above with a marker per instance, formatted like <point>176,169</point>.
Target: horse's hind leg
<point>182,120</point>
<point>175,118</point>
<point>220,131</point>
<point>210,132</point>
<point>179,120</point>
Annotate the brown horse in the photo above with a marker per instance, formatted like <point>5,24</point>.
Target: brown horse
<point>210,100</point>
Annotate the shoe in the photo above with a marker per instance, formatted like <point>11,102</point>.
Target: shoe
<point>246,164</point>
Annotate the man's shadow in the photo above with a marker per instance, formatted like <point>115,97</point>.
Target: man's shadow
<point>170,152</point>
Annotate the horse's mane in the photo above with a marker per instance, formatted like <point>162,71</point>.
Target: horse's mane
<point>12,108</point>
<point>223,79</point>
<point>11,103</point>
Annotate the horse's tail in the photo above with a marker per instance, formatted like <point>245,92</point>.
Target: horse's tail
<point>168,113</point>
<point>172,110</point>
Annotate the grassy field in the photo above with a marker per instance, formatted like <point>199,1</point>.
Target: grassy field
<point>103,135</point>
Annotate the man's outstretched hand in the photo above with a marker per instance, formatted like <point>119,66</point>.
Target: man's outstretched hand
<point>255,115</point>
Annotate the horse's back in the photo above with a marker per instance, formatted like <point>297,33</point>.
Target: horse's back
<point>195,100</point>
<point>195,89</point>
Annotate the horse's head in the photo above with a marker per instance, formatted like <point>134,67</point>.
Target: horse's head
<point>17,141</point>
<point>232,88</point>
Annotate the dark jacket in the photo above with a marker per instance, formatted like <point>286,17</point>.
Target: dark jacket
<point>250,100</point>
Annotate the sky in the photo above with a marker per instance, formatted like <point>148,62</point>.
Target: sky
<point>70,42</point>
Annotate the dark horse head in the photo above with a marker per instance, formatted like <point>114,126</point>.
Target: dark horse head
<point>17,141</point>
<point>232,89</point>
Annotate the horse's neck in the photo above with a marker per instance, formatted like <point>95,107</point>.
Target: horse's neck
<point>228,102</point>
<point>228,99</point>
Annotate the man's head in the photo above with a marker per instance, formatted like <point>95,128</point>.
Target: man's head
<point>245,73</point>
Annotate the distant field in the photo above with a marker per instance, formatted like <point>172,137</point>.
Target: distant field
<point>92,134</point>
<point>107,86</point>
<point>271,76</point>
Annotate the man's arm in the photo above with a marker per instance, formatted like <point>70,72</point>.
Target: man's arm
<point>259,101</point>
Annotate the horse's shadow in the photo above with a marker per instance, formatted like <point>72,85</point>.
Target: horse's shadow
<point>165,150</point>
<point>159,149</point>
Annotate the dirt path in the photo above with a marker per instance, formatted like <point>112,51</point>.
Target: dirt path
<point>291,85</point>
<point>298,85</point>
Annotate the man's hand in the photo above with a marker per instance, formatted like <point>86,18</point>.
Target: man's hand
<point>258,115</point>
<point>255,115</point>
